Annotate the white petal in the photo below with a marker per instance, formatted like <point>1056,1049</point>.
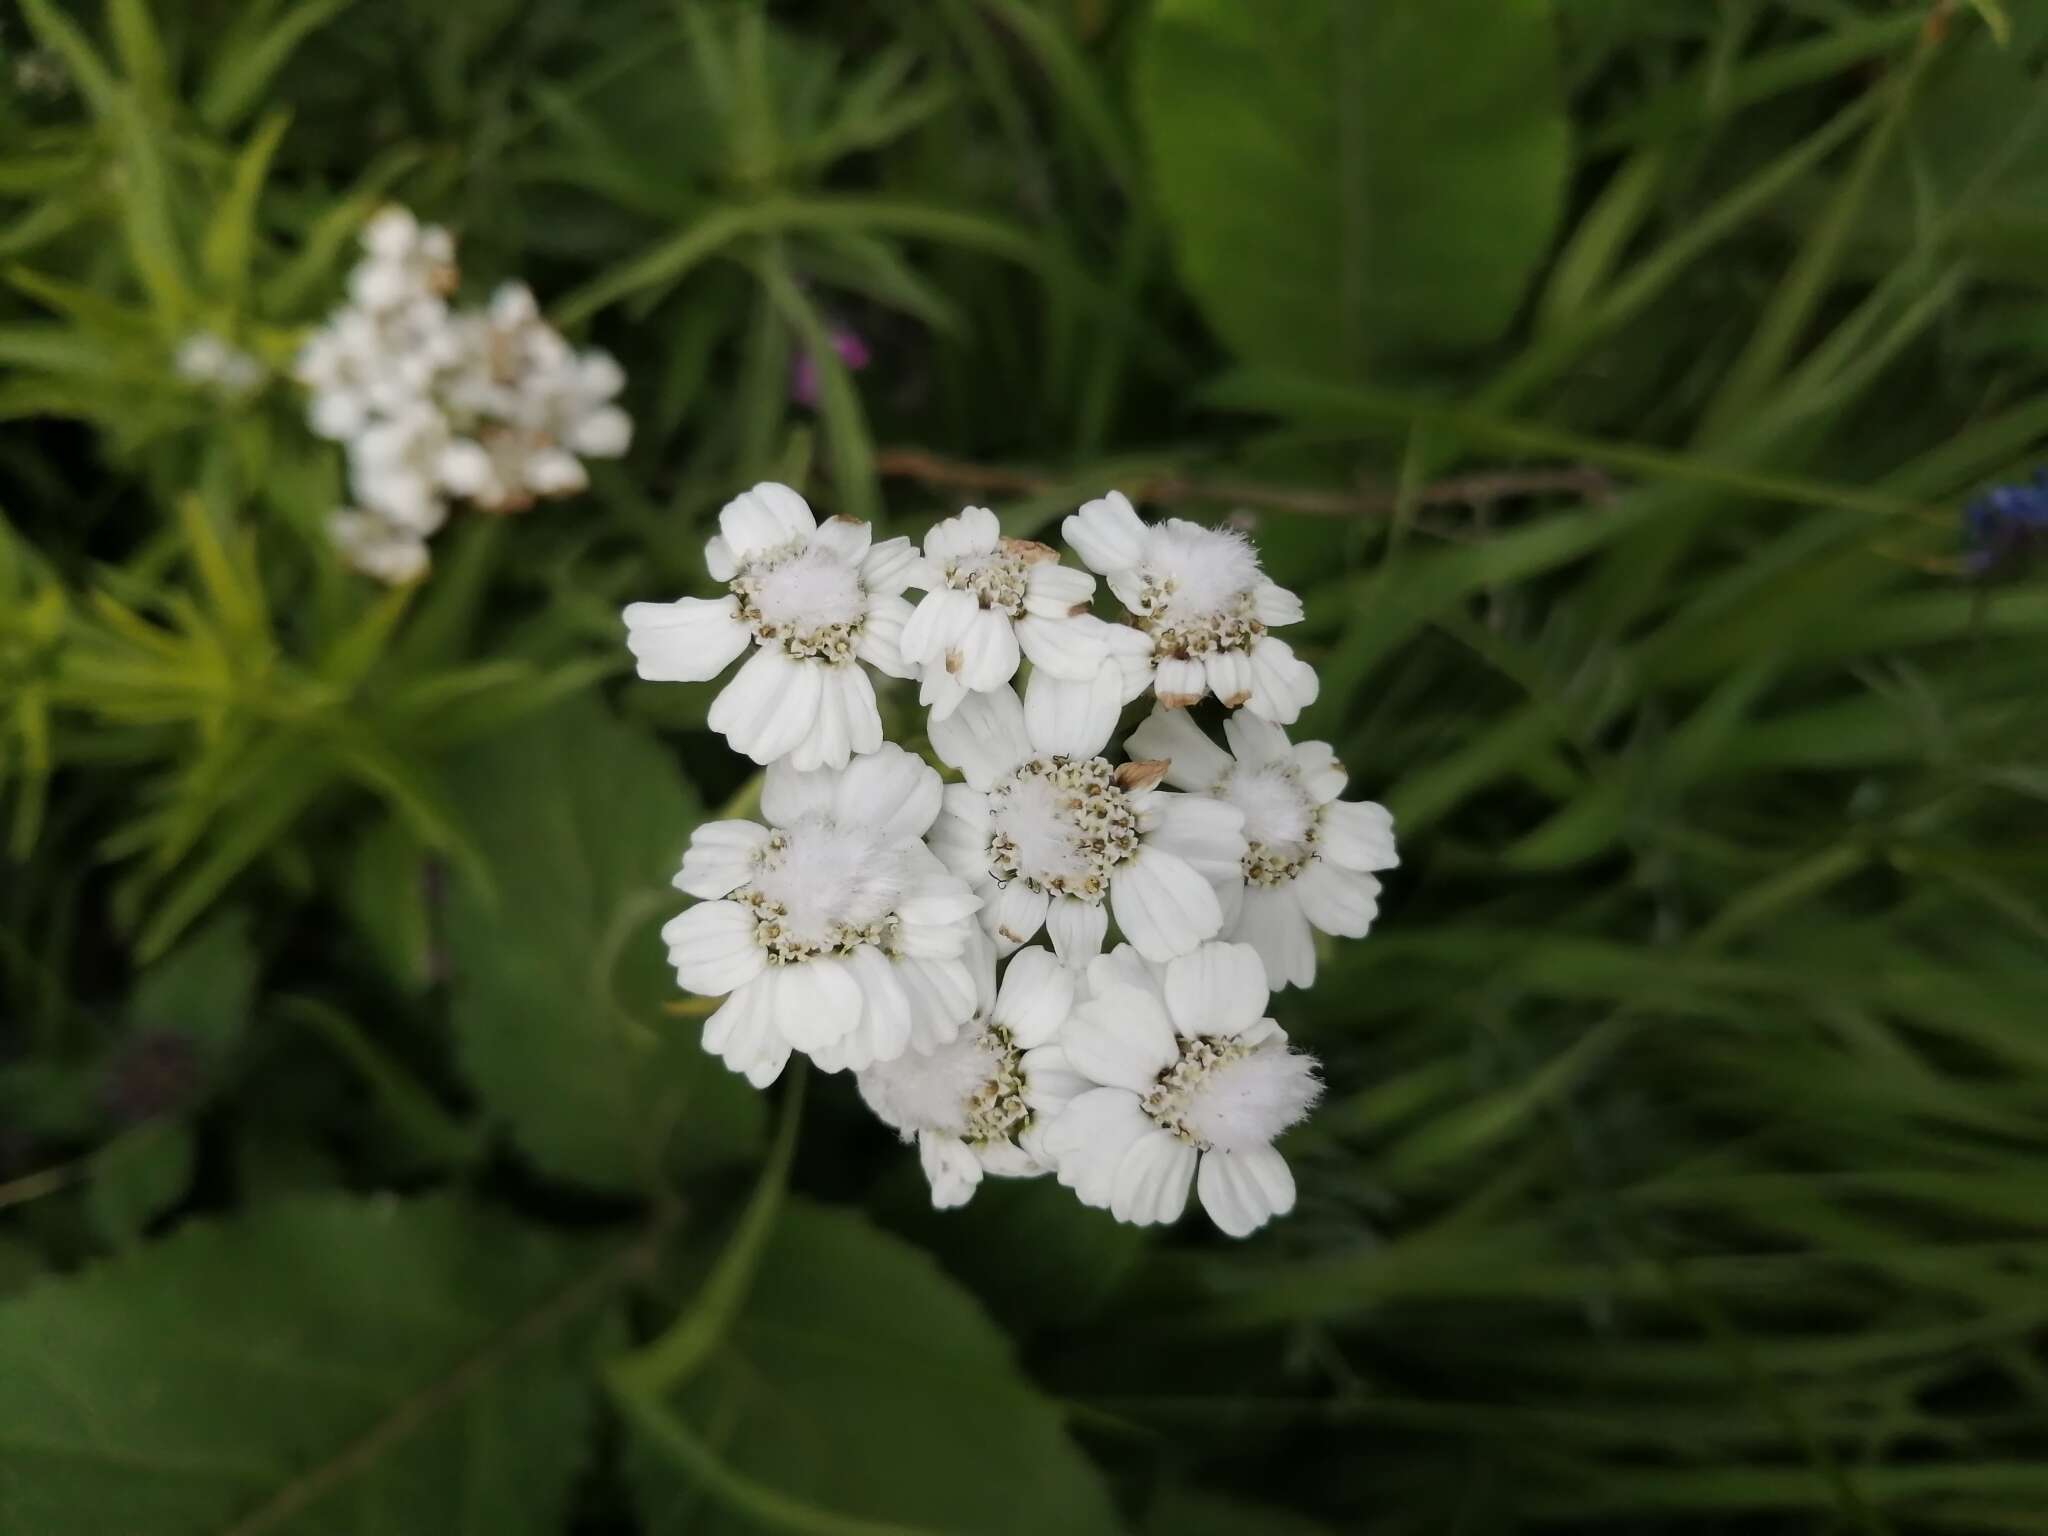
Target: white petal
<point>1275,605</point>
<point>1255,742</point>
<point>1229,675</point>
<point>890,566</point>
<point>816,1001</point>
<point>891,790</point>
<point>863,718</point>
<point>720,858</point>
<point>1072,719</point>
<point>718,559</point>
<point>763,519</point>
<point>951,1168</point>
<point>1121,1038</point>
<point>1180,683</point>
<point>1124,967</point>
<point>1338,901</point>
<point>1089,1139</point>
<point>881,637</point>
<point>689,641</point>
<point>1283,685</point>
<point>743,1033</point>
<point>943,996</point>
<point>1322,776</point>
<point>1107,534</point>
<point>769,706</point>
<point>787,796</point>
<point>1209,834</point>
<point>1272,922</point>
<point>1016,914</point>
<point>936,626</point>
<point>986,655</point>
<point>1358,834</point>
<point>1220,989</point>
<point>1242,1191</point>
<point>1076,928</point>
<point>1162,905</point>
<point>712,948</point>
<point>1194,762</point>
<point>1050,1085</point>
<point>1009,1159</point>
<point>846,537</point>
<point>938,901</point>
<point>1053,591</point>
<point>984,738</point>
<point>1036,997</point>
<point>830,741</point>
<point>884,1032</point>
<point>1151,1185</point>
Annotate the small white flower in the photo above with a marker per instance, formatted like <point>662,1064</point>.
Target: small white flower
<point>815,600</point>
<point>402,260</point>
<point>1183,1081</point>
<point>378,547</point>
<point>392,468</point>
<point>214,364</point>
<point>989,600</point>
<point>1197,593</point>
<point>832,930</point>
<point>966,1103</point>
<point>1051,835</point>
<point>1309,856</point>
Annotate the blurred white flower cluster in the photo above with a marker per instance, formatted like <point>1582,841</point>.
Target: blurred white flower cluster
<point>435,404</point>
<point>950,943</point>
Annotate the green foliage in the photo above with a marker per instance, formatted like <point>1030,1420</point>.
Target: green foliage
<point>857,1382</point>
<point>1350,182</point>
<point>317,1366</point>
<point>1606,376</point>
<point>560,975</point>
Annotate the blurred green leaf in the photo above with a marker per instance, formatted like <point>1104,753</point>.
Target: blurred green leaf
<point>861,1390</point>
<point>1348,181</point>
<point>319,1365</point>
<point>560,977</point>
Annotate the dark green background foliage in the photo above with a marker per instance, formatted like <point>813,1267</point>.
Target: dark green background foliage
<point>1606,374</point>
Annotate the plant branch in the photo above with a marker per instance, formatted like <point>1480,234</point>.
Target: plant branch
<point>1584,481</point>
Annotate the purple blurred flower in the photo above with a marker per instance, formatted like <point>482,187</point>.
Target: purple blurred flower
<point>803,369</point>
<point>2004,523</point>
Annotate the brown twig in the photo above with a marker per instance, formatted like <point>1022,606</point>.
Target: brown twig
<point>1585,481</point>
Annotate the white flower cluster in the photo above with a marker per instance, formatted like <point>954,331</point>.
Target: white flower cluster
<point>491,406</point>
<point>212,363</point>
<point>884,922</point>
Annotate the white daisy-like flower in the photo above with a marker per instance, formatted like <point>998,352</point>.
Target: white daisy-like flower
<point>989,601</point>
<point>378,547</point>
<point>393,468</point>
<point>1187,1083</point>
<point>816,600</point>
<point>1052,835</point>
<point>967,1103</point>
<point>832,930</point>
<point>1309,857</point>
<point>1199,596</point>
<point>402,259</point>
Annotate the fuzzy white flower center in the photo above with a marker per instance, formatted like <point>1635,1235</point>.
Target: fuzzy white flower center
<point>971,1087</point>
<point>822,888</point>
<point>809,601</point>
<point>1195,591</point>
<point>1226,1096</point>
<point>1061,825</point>
<point>998,578</point>
<point>1282,824</point>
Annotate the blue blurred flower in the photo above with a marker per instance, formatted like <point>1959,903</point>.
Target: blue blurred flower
<point>2002,523</point>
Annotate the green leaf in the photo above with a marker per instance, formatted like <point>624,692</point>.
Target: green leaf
<point>321,1365</point>
<point>203,990</point>
<point>860,1384</point>
<point>137,1177</point>
<point>1345,181</point>
<point>561,980</point>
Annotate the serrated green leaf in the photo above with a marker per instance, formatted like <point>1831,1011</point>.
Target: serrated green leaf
<point>560,977</point>
<point>319,1366</point>
<point>861,1384</point>
<point>1344,180</point>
